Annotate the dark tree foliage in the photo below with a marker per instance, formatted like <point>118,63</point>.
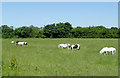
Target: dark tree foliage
<point>7,32</point>
<point>23,32</point>
<point>48,30</point>
<point>59,30</point>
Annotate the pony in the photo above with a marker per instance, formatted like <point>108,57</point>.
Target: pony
<point>108,49</point>
<point>21,43</point>
<point>75,46</point>
<point>64,46</point>
<point>12,42</point>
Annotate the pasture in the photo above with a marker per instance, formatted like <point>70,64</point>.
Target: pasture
<point>42,57</point>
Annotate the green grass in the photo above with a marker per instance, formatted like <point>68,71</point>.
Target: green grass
<point>42,57</point>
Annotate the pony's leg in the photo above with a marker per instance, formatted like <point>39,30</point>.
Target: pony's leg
<point>68,48</point>
<point>112,53</point>
<point>105,53</point>
<point>72,48</point>
<point>79,48</point>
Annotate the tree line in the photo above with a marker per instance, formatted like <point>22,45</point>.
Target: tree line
<point>59,30</point>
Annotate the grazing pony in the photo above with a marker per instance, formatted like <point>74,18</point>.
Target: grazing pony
<point>64,46</point>
<point>12,42</point>
<point>108,49</point>
<point>75,46</point>
<point>21,43</point>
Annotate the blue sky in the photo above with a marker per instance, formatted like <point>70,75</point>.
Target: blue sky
<point>82,14</point>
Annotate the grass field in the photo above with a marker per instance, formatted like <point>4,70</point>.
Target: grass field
<point>0,57</point>
<point>42,57</point>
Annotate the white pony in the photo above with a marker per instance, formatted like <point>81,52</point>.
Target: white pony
<point>12,42</point>
<point>108,49</point>
<point>75,46</point>
<point>64,46</point>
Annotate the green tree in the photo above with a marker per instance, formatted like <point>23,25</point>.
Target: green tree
<point>23,32</point>
<point>36,32</point>
<point>59,30</point>
<point>48,30</point>
<point>7,32</point>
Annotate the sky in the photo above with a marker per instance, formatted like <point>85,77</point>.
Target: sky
<point>82,14</point>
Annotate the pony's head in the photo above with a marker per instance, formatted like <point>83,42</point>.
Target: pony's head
<point>68,45</point>
<point>101,52</point>
<point>17,41</point>
<point>25,43</point>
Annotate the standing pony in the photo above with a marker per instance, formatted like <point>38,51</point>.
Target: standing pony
<point>75,46</point>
